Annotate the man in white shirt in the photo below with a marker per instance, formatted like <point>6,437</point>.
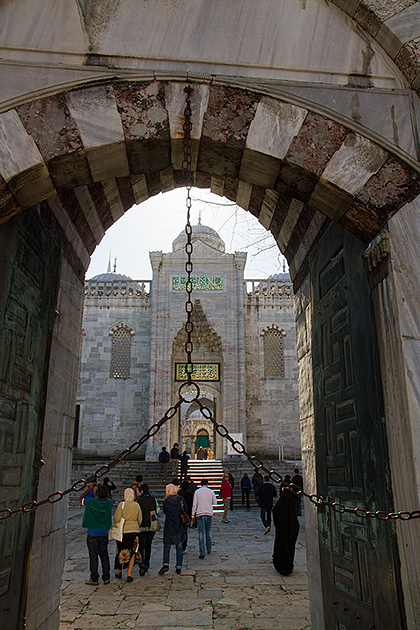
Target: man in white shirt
<point>202,513</point>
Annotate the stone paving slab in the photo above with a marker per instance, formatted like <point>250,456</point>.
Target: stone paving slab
<point>233,588</point>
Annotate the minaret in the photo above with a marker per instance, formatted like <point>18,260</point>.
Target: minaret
<point>109,264</point>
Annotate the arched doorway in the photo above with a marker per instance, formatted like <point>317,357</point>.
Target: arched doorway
<point>197,431</point>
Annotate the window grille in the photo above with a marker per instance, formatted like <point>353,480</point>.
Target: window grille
<point>273,354</point>
<point>121,353</point>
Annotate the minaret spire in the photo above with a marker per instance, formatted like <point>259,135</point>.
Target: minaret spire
<point>109,264</point>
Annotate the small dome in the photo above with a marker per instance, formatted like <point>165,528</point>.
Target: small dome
<point>115,284</point>
<point>201,233</point>
<point>110,277</point>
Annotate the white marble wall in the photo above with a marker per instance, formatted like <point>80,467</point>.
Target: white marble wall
<point>113,411</point>
<point>397,305</point>
<point>303,312</point>
<point>272,403</point>
<point>216,38</point>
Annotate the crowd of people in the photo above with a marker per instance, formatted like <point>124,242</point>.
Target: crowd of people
<point>185,506</point>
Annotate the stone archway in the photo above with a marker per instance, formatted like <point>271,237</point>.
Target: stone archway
<point>88,139</point>
<point>200,430</point>
<point>310,171</point>
<point>296,188</point>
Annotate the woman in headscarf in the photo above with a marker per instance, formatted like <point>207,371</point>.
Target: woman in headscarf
<point>287,529</point>
<point>127,550</point>
<point>173,530</point>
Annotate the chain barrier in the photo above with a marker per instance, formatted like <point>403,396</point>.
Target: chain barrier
<point>81,484</point>
<point>316,499</point>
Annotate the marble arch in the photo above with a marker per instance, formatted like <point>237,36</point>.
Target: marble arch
<point>307,117</point>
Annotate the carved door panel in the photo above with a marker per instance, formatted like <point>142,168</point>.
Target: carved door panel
<point>28,282</point>
<point>359,560</point>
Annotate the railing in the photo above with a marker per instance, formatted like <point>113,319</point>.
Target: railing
<point>271,287</point>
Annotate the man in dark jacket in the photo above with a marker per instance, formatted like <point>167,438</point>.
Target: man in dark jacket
<point>175,457</point>
<point>98,519</point>
<point>163,461</point>
<point>257,481</point>
<point>184,463</point>
<point>266,493</point>
<point>147,504</point>
<point>246,489</point>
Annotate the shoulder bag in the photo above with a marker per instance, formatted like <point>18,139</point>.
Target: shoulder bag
<point>117,532</point>
<point>185,519</point>
<point>154,521</point>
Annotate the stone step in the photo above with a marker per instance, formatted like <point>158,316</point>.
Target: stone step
<point>124,475</point>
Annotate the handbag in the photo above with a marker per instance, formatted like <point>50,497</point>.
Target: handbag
<point>117,532</point>
<point>185,519</point>
<point>154,522</point>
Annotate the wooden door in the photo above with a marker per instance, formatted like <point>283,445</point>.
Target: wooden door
<point>359,559</point>
<point>28,283</point>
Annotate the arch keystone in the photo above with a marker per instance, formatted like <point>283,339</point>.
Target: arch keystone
<point>175,99</point>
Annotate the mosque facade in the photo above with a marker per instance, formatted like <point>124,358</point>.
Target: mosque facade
<point>244,354</point>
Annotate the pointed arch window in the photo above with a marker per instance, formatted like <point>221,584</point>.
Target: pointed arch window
<point>273,352</point>
<point>120,353</point>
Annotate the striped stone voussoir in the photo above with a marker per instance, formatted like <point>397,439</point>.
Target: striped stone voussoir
<point>88,155</point>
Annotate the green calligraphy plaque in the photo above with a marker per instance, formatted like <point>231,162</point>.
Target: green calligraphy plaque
<point>199,283</point>
<point>201,372</point>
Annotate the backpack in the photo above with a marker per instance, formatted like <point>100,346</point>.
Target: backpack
<point>163,457</point>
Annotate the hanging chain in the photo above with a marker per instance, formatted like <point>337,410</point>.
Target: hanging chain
<point>186,165</point>
<point>81,484</point>
<point>316,499</point>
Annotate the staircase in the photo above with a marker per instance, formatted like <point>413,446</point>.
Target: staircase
<point>125,473</point>
<point>211,469</point>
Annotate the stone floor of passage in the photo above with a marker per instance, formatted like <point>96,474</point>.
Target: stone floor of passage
<point>234,588</point>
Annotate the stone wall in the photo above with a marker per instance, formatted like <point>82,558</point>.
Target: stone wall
<point>48,546</point>
<point>272,403</point>
<point>394,261</point>
<point>113,411</point>
<point>303,314</point>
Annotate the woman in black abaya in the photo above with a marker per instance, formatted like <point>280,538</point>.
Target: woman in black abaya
<point>287,529</point>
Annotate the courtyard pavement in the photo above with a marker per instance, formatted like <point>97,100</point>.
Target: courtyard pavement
<point>233,588</point>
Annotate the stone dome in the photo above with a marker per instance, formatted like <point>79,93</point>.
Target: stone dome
<point>113,283</point>
<point>110,276</point>
<point>201,233</point>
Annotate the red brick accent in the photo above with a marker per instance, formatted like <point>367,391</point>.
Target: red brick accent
<point>273,327</point>
<point>119,326</point>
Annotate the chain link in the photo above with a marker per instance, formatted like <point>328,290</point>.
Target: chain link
<point>81,484</point>
<point>316,499</point>
<point>187,144</point>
